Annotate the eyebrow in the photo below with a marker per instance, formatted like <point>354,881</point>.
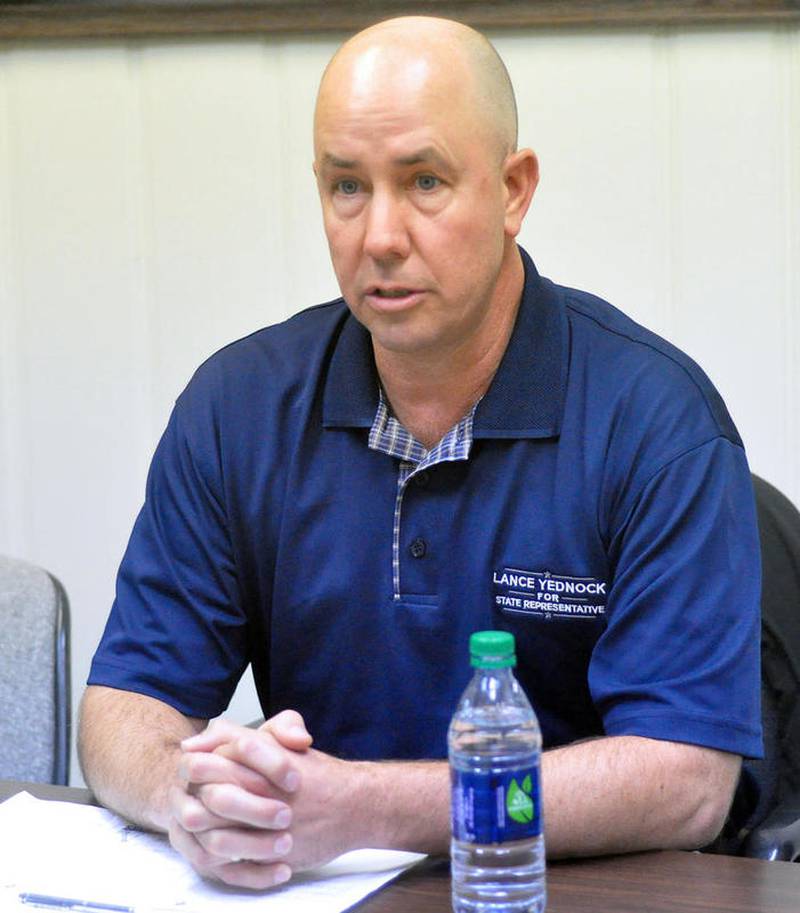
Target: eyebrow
<point>426,154</point>
<point>335,162</point>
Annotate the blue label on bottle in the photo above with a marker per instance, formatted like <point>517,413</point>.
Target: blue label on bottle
<point>496,807</point>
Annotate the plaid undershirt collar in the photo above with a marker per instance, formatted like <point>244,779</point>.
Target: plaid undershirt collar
<point>387,435</point>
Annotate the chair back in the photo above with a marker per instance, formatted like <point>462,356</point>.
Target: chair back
<point>34,675</point>
<point>779,525</point>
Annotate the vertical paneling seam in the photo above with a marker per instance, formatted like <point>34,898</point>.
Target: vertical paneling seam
<point>781,163</point>
<point>278,75</point>
<point>142,243</point>
<point>674,184</point>
<point>7,311</point>
<point>791,118</point>
<point>665,159</point>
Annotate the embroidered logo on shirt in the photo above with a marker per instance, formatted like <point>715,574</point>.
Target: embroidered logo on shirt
<point>549,595</point>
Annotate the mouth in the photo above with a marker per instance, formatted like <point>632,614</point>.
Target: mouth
<point>393,296</point>
<point>391,292</point>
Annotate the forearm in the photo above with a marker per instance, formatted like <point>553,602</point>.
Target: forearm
<point>607,795</point>
<point>623,794</point>
<point>401,805</point>
<point>129,747</point>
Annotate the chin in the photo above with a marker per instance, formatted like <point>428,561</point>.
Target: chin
<point>404,342</point>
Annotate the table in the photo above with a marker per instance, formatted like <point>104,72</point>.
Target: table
<point>662,882</point>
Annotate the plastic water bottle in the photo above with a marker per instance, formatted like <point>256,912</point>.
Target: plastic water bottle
<point>495,745</point>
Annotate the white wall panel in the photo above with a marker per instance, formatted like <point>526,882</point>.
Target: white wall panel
<point>729,244</point>
<point>208,116</point>
<point>157,201</point>
<point>231,213</point>
<point>11,455</point>
<point>306,265</point>
<point>77,414</point>
<point>593,107</point>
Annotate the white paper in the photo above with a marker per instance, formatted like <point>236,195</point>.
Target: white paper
<point>80,851</point>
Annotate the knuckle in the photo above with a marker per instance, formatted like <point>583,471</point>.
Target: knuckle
<point>217,797</point>
<point>227,751</point>
<point>191,767</point>
<point>253,875</point>
<point>214,842</point>
<point>298,720</point>
<point>282,844</point>
<point>192,816</point>
<point>173,835</point>
<point>249,741</point>
<point>237,875</point>
<point>281,816</point>
<point>290,718</point>
<point>189,847</point>
<point>280,767</point>
<point>250,780</point>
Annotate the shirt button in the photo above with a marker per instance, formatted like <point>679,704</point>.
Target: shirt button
<point>418,548</point>
<point>421,479</point>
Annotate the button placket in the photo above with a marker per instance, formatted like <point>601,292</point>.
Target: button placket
<point>388,436</point>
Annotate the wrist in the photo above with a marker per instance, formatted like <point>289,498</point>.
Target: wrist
<point>157,814</point>
<point>356,805</point>
<point>403,805</point>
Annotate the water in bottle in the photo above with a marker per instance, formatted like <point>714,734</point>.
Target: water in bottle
<point>497,850</point>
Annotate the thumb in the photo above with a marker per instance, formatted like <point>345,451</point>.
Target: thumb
<point>289,728</point>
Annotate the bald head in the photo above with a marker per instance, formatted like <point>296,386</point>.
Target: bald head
<point>439,57</point>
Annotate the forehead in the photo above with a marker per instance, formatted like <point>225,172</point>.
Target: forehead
<point>388,105</point>
<point>383,134</point>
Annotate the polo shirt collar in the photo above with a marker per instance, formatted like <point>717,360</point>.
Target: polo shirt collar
<point>525,398</point>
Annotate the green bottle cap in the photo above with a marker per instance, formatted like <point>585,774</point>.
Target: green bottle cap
<point>492,650</point>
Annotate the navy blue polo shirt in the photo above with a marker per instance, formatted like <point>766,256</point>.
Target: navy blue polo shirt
<point>604,516</point>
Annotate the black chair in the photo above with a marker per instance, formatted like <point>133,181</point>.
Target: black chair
<point>777,834</point>
<point>765,819</point>
<point>34,675</point>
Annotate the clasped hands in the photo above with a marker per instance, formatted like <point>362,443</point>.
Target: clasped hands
<point>252,806</point>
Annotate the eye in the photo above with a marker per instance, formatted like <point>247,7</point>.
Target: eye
<point>346,187</point>
<point>427,182</point>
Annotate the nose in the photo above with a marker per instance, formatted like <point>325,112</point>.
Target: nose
<point>386,233</point>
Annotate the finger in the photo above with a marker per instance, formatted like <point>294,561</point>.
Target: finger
<point>289,729</point>
<point>235,844</point>
<point>230,870</point>
<point>262,753</point>
<point>233,804</point>
<point>191,813</point>
<point>187,845</point>
<point>217,733</point>
<point>258,750</point>
<point>237,872</point>
<point>202,767</point>
<point>254,875</point>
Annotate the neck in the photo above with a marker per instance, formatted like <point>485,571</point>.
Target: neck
<point>430,391</point>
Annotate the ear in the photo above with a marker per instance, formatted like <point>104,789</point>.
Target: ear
<point>520,177</point>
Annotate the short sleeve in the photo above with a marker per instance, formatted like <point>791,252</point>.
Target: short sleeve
<point>680,657</point>
<point>177,630</point>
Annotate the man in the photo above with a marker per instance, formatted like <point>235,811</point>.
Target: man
<point>343,498</point>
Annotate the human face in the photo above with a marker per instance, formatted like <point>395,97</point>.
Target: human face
<point>413,202</point>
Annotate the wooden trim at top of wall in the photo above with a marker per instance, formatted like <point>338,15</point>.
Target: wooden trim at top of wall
<point>26,19</point>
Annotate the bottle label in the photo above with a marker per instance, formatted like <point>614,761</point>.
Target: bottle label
<point>496,807</point>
